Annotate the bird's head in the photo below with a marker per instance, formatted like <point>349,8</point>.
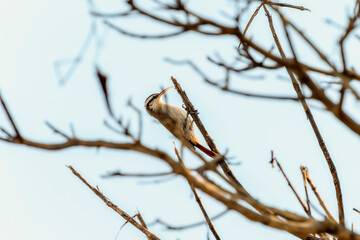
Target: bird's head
<point>153,102</point>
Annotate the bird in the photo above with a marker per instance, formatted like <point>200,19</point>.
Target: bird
<point>176,120</point>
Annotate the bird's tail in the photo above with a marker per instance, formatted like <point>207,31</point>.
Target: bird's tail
<point>205,150</point>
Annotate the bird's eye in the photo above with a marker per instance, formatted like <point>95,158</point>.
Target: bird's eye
<point>152,97</point>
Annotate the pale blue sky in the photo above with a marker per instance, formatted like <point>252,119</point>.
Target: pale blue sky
<point>42,200</point>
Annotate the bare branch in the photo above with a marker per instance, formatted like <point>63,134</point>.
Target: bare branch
<point>314,126</point>
<point>293,223</point>
<point>251,57</point>
<point>197,198</point>
<point>128,218</point>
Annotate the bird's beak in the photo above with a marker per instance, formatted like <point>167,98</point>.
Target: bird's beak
<point>164,91</point>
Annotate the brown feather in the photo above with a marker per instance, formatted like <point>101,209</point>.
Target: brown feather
<point>205,150</point>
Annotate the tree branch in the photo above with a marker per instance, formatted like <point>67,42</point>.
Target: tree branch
<point>128,218</point>
<point>197,198</point>
<point>314,126</point>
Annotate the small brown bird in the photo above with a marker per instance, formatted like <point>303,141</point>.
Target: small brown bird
<point>175,120</point>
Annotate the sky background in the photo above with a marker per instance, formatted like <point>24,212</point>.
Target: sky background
<point>41,199</point>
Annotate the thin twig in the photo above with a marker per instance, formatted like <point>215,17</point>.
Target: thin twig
<point>74,62</point>
<point>121,174</point>
<point>251,19</point>
<point>55,130</point>
<point>231,90</point>
<point>303,173</point>
<point>356,210</point>
<point>273,159</point>
<point>6,132</point>
<point>351,26</point>
<point>127,217</point>
<point>143,223</point>
<point>141,219</point>
<point>130,34</point>
<point>124,129</point>
<point>322,203</point>
<point>18,135</point>
<point>188,226</point>
<point>110,15</point>
<point>301,8</point>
